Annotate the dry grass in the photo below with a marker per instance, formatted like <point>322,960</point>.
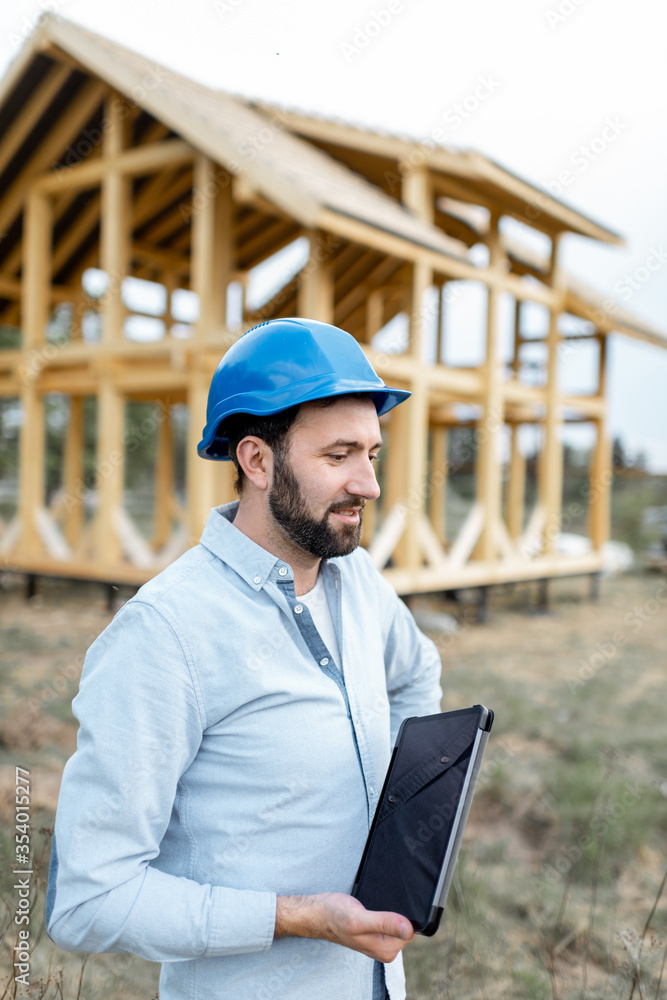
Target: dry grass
<point>558,887</point>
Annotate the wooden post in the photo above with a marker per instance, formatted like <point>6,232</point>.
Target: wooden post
<point>315,298</point>
<point>488,467</point>
<point>394,480</point>
<point>35,302</point>
<point>31,470</point>
<point>212,249</point>
<point>440,329</point>
<point>164,482</point>
<point>438,480</point>
<point>115,221</point>
<point>73,472</point>
<point>374,313</point>
<point>415,460</point>
<point>109,468</point>
<point>516,487</point>
<point>417,193</point>
<point>551,469</point>
<point>601,472</point>
<point>200,473</point>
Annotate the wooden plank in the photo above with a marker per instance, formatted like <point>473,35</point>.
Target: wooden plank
<point>209,231</point>
<point>433,579</point>
<point>504,543</point>
<point>115,223</point>
<point>438,481</point>
<point>132,543</point>
<point>37,270</point>
<point>432,550</point>
<point>374,313</point>
<point>601,470</point>
<point>56,140</point>
<point>31,471</point>
<point>516,486</point>
<point>316,286</point>
<point>397,246</point>
<point>50,535</point>
<point>387,271</point>
<point>417,193</point>
<point>488,467</point>
<point>73,471</point>
<point>164,482</point>
<point>387,538</point>
<point>31,111</point>
<point>551,470</point>
<point>202,475</point>
<point>466,540</point>
<point>530,542</point>
<point>109,471</point>
<point>144,159</point>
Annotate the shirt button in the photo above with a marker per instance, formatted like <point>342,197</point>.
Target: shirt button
<point>257,579</point>
<point>324,661</point>
<point>298,608</point>
<point>282,571</point>
<point>371,790</point>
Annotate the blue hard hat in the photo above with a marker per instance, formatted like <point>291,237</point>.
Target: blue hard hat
<point>281,363</point>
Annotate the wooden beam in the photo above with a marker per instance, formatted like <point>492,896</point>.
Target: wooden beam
<point>144,159</point>
<point>31,111</point>
<point>35,299</point>
<point>452,267</point>
<point>601,470</point>
<point>164,482</point>
<point>488,466</point>
<point>115,222</point>
<point>56,140</point>
<point>438,481</point>
<point>417,193</point>
<point>31,471</point>
<point>109,471</point>
<point>516,486</point>
<point>316,286</point>
<point>212,250</point>
<point>551,478</point>
<point>73,472</point>
<point>374,313</point>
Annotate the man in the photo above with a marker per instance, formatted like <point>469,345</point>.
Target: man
<point>237,716</point>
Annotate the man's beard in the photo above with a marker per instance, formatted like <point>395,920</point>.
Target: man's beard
<point>289,509</point>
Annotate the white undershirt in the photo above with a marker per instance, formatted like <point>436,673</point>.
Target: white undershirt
<point>320,612</point>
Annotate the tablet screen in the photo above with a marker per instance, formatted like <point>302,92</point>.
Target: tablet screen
<point>420,816</point>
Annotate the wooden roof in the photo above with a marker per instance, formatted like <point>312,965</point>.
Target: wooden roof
<point>476,177</point>
<point>296,170</point>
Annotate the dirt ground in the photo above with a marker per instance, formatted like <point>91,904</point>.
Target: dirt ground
<point>566,843</point>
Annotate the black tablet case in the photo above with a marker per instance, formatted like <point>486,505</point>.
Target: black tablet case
<point>412,845</point>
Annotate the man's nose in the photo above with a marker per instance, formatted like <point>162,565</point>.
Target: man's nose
<point>364,482</point>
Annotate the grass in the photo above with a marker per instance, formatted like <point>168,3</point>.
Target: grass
<point>559,891</point>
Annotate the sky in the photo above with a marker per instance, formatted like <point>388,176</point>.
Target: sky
<point>567,93</point>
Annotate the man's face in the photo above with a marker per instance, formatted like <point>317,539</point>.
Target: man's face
<point>321,484</point>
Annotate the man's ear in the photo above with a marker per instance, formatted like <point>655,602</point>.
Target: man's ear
<point>255,458</point>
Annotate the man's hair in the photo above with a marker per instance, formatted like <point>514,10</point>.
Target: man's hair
<point>274,430</point>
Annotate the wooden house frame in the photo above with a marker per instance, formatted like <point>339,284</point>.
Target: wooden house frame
<point>109,161</point>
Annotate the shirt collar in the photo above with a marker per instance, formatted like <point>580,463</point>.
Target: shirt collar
<point>252,563</point>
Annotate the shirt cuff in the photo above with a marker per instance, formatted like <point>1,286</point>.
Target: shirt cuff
<point>241,921</point>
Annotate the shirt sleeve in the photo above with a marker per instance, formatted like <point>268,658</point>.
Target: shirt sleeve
<point>412,662</point>
<point>141,725</point>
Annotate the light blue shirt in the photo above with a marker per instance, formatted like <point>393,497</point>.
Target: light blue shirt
<point>222,760</point>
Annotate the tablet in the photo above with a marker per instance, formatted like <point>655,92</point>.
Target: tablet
<point>411,850</point>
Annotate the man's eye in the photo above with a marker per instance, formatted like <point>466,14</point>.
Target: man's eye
<point>337,457</point>
<point>373,458</point>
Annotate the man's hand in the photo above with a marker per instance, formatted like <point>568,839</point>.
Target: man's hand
<point>334,916</point>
